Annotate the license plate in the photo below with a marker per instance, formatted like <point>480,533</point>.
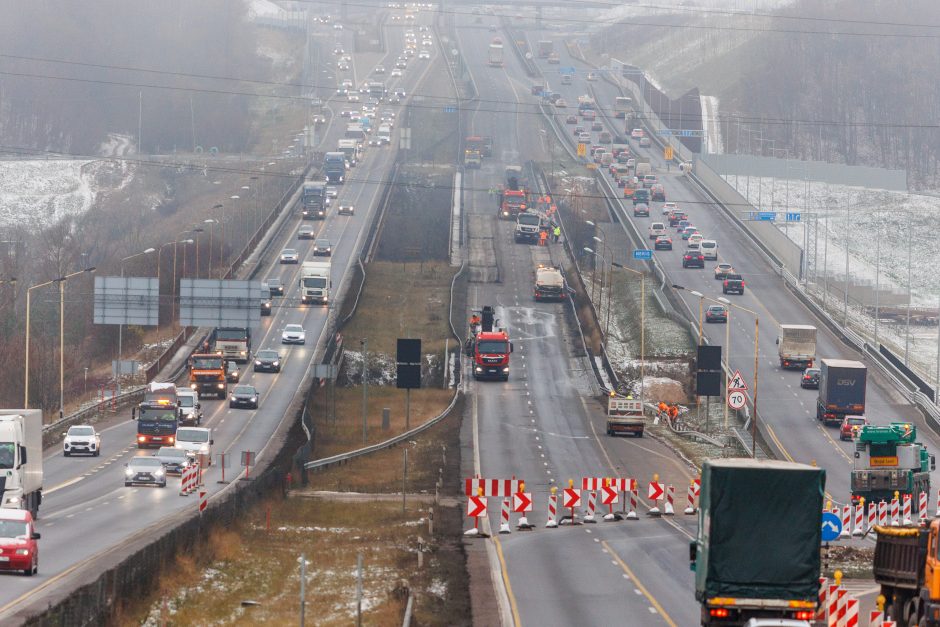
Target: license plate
<point>4,559</point>
<point>157,439</point>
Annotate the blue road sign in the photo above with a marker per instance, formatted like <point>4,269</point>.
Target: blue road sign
<point>665,132</point>
<point>643,253</point>
<point>831,527</point>
<point>767,216</point>
<point>566,70</point>
<point>545,94</point>
<point>450,109</point>
<point>793,217</point>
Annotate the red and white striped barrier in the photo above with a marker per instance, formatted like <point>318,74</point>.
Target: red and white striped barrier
<point>842,596</point>
<point>872,515</point>
<point>859,529</point>
<point>591,483</point>
<point>504,518</point>
<point>895,512</point>
<point>846,522</point>
<point>189,479</point>
<point>906,509</point>
<point>876,618</point>
<point>882,513</point>
<point>832,612</point>
<point>937,511</point>
<point>632,515</point>
<point>492,487</point>
<point>203,500</point>
<point>669,508</point>
<point>851,612</point>
<point>922,507</point>
<point>888,623</point>
<point>592,507</point>
<point>823,598</point>
<point>552,510</point>
<point>690,500</point>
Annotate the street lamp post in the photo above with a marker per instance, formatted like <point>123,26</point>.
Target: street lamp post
<point>211,222</point>
<point>183,241</point>
<point>603,270</point>
<point>121,326</point>
<point>642,326</point>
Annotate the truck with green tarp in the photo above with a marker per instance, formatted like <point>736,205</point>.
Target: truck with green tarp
<point>756,553</point>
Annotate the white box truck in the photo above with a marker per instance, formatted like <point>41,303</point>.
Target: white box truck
<point>21,459</point>
<point>796,346</point>
<point>315,282</point>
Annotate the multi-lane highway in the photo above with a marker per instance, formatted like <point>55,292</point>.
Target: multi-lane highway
<point>87,511</point>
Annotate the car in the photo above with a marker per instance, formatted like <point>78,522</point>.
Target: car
<point>394,99</point>
<point>19,550</point>
<point>637,133</point>
<point>669,207</point>
<point>352,98</point>
<point>243,396</point>
<point>576,131</point>
<point>379,69</point>
<point>190,407</point>
<point>322,248</point>
<point>346,210</point>
<point>648,181</point>
<point>693,259</point>
<point>331,191</point>
<point>656,229</point>
<point>337,27</point>
<point>597,126</point>
<point>588,114</point>
<point>641,209</point>
<point>232,372</point>
<point>681,226</point>
<point>696,238</point>
<point>676,217</point>
<point>195,441</point>
<point>342,67</point>
<point>267,361</point>
<point>424,54</point>
<point>710,249</point>
<point>427,42</point>
<point>716,313</point>
<point>347,83</point>
<point>293,334</point>
<point>289,255</point>
<point>81,439</point>
<point>723,269</point>
<point>810,379</point>
<point>591,76</point>
<point>338,51</point>
<point>645,142</point>
<point>395,72</point>
<point>663,242</point>
<point>174,460</point>
<point>342,91</point>
<point>276,287</point>
<point>584,137</point>
<point>561,103</point>
<point>306,231</point>
<point>144,471</point>
<point>732,283</point>
<point>688,231</point>
<point>376,142</point>
<point>658,192</point>
<point>850,427</point>
<point>572,119</point>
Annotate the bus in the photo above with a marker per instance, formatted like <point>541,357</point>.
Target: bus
<point>622,104</point>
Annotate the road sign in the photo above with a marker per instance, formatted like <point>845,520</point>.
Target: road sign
<point>608,495</point>
<point>665,132</point>
<point>655,491</point>
<point>592,166</point>
<point>667,153</point>
<point>794,217</point>
<point>736,399</point>
<point>767,216</point>
<point>522,502</point>
<point>566,70</point>
<point>737,382</point>
<point>476,506</point>
<point>582,149</point>
<point>572,498</point>
<point>450,109</point>
<point>831,526</point>
<point>643,253</point>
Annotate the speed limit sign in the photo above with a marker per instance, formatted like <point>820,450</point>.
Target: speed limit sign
<point>736,399</point>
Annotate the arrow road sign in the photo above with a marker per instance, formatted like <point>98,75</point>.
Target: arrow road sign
<point>608,495</point>
<point>831,527</point>
<point>572,498</point>
<point>522,502</point>
<point>476,506</point>
<point>736,399</point>
<point>655,491</point>
<point>737,382</point>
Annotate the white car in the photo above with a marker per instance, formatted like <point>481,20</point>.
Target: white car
<point>293,334</point>
<point>289,255</point>
<point>670,206</point>
<point>195,441</point>
<point>396,72</point>
<point>346,210</point>
<point>81,439</point>
<point>636,133</point>
<point>331,191</point>
<point>424,54</point>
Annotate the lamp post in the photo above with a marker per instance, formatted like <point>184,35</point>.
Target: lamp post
<point>603,270</point>
<point>121,326</point>
<point>220,221</point>
<point>234,198</point>
<point>245,190</point>
<point>642,326</point>
<point>211,222</point>
<point>183,241</point>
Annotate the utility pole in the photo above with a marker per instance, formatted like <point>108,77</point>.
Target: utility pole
<point>365,389</point>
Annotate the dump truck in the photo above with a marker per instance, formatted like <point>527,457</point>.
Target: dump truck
<point>157,416</point>
<point>756,553</point>
<point>907,567</point>
<point>21,471</point>
<point>207,375</point>
<point>489,348</point>
<point>889,459</point>
<point>549,284</point>
<point>842,385</point>
<point>796,346</point>
<point>625,417</point>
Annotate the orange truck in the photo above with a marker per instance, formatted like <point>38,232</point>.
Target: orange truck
<point>207,375</point>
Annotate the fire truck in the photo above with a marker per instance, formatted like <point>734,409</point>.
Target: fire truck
<point>489,347</point>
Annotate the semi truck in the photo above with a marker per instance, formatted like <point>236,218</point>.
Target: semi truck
<point>545,48</point>
<point>232,343</point>
<point>495,55</point>
<point>21,459</point>
<point>907,567</point>
<point>315,282</point>
<point>314,201</point>
<point>489,347</point>
<point>350,148</point>
<point>842,386</point>
<point>549,284</point>
<point>207,375</point>
<point>157,416</point>
<point>796,346</point>
<point>889,459</point>
<point>741,574</point>
<point>334,167</point>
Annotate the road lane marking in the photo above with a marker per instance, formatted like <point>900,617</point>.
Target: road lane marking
<point>63,485</point>
<point>640,588</point>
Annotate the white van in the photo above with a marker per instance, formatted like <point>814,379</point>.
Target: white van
<point>710,249</point>
<point>657,229</point>
<point>195,441</point>
<point>190,408</point>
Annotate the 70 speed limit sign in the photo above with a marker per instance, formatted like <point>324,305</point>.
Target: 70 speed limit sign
<point>736,399</point>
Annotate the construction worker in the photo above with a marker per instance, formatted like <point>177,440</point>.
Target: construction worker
<point>673,414</point>
<point>557,232</point>
<point>474,323</point>
<point>663,409</point>
<point>543,237</point>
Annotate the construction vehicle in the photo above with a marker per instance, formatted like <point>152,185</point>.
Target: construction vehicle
<point>796,346</point>
<point>907,567</point>
<point>21,462</point>
<point>549,284</point>
<point>314,201</point>
<point>158,416</point>
<point>889,460</point>
<point>489,347</point>
<point>232,343</point>
<point>529,226</point>
<point>513,198</point>
<point>545,48</point>
<point>315,282</point>
<point>625,417</point>
<point>207,375</point>
<point>742,574</point>
<point>472,159</point>
<point>494,55</point>
<point>842,385</point>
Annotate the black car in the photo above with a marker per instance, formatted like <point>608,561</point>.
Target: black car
<point>267,361</point>
<point>322,248</point>
<point>641,196</point>
<point>276,287</point>
<point>733,283</point>
<point>244,396</point>
<point>716,313</point>
<point>144,470</point>
<point>641,209</point>
<point>693,259</point>
<point>810,380</point>
<point>231,372</point>
<point>174,460</point>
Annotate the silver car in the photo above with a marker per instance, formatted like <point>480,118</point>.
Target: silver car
<point>145,471</point>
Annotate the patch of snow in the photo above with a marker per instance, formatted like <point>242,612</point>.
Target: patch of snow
<point>258,8</point>
<point>39,193</point>
<point>710,122</point>
<point>438,588</point>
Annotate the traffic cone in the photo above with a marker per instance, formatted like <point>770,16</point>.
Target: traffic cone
<point>504,518</point>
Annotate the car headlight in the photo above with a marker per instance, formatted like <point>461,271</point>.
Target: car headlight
<point>204,448</point>
<point>254,399</point>
<point>158,472</point>
<point>128,472</point>
<point>22,551</point>
<point>257,362</point>
<point>276,364</point>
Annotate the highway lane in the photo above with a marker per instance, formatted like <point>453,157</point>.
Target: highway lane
<point>88,510</point>
<point>787,410</point>
<point>542,425</point>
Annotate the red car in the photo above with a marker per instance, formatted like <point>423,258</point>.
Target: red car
<point>851,426</point>
<point>18,547</point>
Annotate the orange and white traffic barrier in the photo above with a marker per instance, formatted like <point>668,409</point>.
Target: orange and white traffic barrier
<point>823,598</point>
<point>851,612</point>
<point>669,508</point>
<point>906,509</point>
<point>592,507</point>
<point>504,517</point>
<point>846,522</point>
<point>632,515</point>
<point>882,513</point>
<point>872,515</point>
<point>859,528</point>
<point>895,512</point>
<point>937,511</point>
<point>654,493</point>
<point>922,507</point>
<point>552,509</point>
<point>690,500</point>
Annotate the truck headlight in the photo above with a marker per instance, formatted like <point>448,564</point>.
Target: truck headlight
<point>204,448</point>
<point>506,370</point>
<point>221,386</point>
<point>478,369</point>
<point>192,386</point>
<point>243,353</point>
<point>13,500</point>
<point>141,438</point>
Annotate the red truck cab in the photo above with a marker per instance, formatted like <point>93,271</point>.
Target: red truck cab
<point>19,550</point>
<point>491,351</point>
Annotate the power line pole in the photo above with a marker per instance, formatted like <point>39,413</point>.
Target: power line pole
<point>365,389</point>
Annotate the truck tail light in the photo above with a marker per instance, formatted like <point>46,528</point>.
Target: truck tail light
<point>804,615</point>
<point>719,612</point>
